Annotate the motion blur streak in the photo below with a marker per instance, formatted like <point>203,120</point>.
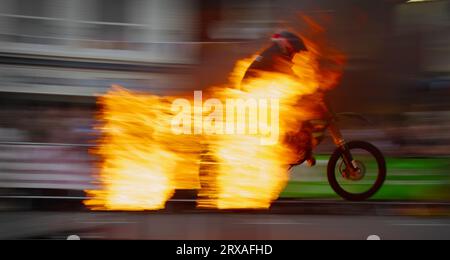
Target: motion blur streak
<point>141,157</point>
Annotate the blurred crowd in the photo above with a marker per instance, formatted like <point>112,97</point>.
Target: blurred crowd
<point>62,125</point>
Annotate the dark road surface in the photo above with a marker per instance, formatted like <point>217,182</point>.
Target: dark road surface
<point>217,226</point>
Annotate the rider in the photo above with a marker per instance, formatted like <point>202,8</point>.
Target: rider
<point>278,58</point>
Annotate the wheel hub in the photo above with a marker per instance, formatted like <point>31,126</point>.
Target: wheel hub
<point>353,175</point>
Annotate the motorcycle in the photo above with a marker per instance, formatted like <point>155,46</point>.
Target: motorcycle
<point>356,170</point>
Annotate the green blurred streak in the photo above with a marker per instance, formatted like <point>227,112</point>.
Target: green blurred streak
<point>408,179</point>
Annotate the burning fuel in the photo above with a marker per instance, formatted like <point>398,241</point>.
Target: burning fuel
<point>229,146</point>
<point>140,157</point>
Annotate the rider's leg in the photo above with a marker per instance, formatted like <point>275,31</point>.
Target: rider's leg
<point>301,144</point>
<point>317,134</point>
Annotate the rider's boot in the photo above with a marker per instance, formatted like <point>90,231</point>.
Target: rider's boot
<point>309,158</point>
<point>311,161</point>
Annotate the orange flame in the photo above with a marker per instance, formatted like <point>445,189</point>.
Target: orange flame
<point>247,174</point>
<point>140,156</point>
<point>143,161</point>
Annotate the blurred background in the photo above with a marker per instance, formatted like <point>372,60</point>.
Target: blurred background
<point>57,56</point>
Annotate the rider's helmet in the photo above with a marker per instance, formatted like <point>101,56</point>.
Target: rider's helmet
<point>289,43</point>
